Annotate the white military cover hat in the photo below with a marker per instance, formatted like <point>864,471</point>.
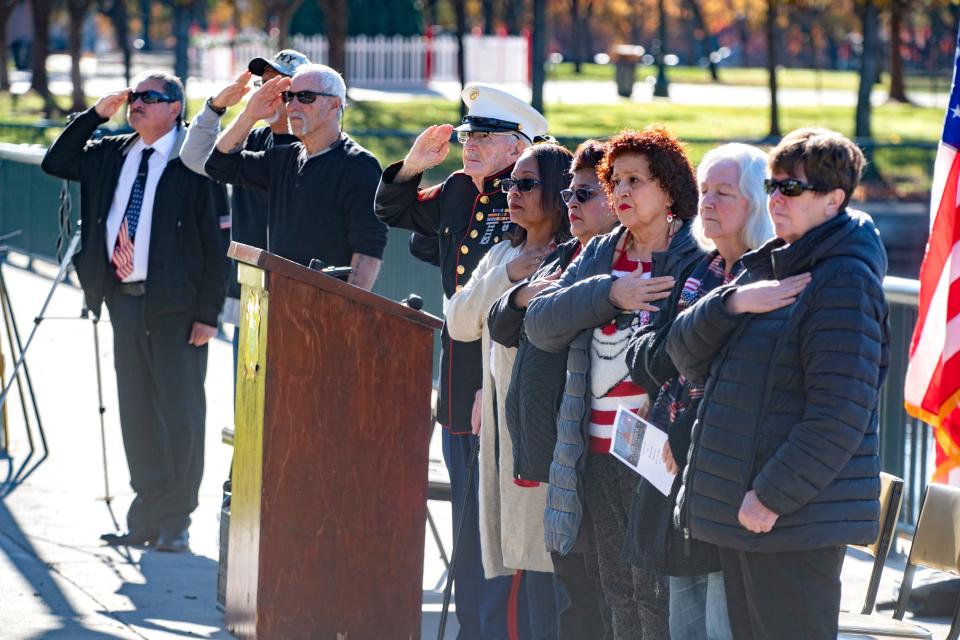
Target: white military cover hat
<point>492,109</point>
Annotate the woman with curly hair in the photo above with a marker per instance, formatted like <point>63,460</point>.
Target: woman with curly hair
<point>613,288</point>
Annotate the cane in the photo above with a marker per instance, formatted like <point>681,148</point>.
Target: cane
<point>474,454</point>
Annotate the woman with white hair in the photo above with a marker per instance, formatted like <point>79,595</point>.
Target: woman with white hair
<point>733,220</point>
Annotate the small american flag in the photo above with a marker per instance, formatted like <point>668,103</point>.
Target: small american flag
<point>123,253</point>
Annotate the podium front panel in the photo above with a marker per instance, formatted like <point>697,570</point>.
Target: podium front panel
<point>342,484</point>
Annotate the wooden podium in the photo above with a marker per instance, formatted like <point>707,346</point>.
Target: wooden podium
<point>330,458</point>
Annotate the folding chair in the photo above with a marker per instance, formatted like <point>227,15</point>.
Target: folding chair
<point>874,625</point>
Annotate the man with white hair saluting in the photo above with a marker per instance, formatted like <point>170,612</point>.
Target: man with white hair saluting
<point>320,189</point>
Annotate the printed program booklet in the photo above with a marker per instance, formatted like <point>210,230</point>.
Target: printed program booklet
<point>639,445</point>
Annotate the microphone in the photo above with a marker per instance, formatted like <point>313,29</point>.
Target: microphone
<point>336,272</point>
<point>413,301</point>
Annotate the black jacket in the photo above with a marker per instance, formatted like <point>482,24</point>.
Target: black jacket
<point>466,223</point>
<point>319,207</point>
<point>187,270</point>
<point>536,385</point>
<point>790,403</point>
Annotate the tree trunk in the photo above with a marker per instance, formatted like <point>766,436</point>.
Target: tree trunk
<point>181,33</point>
<point>539,53</point>
<point>576,40</point>
<point>636,21</point>
<point>283,11</point>
<point>743,31</point>
<point>661,88</point>
<point>38,65</point>
<point>489,17</point>
<point>461,11</point>
<point>146,20</point>
<point>77,10</point>
<point>116,10</point>
<point>588,49</point>
<point>898,90</point>
<point>6,9</point>
<point>336,14</point>
<point>772,67</point>
<point>709,41</point>
<point>869,64</point>
<point>429,13</point>
<point>513,15</point>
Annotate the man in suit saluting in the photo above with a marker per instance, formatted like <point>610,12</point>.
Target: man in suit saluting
<point>151,251</point>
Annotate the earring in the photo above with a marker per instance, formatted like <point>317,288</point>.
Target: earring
<point>670,216</point>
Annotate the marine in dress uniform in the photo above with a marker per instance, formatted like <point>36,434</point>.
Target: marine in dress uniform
<point>467,214</point>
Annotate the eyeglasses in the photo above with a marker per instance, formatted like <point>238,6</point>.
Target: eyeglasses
<point>583,194</point>
<point>789,187</point>
<point>481,137</point>
<point>523,185</point>
<point>305,97</point>
<point>149,97</point>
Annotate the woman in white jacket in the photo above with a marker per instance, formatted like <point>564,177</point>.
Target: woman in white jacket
<point>511,511</point>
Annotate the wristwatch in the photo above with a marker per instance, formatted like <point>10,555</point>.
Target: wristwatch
<point>217,110</point>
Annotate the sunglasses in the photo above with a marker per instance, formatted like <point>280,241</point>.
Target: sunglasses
<point>149,97</point>
<point>305,97</point>
<point>790,187</point>
<point>583,194</point>
<point>482,137</point>
<point>523,185</point>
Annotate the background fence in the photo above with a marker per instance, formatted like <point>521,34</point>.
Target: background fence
<point>382,60</point>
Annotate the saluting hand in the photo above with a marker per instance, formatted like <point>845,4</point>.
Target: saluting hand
<point>633,292</point>
<point>767,295</point>
<point>111,103</point>
<point>266,100</point>
<point>430,148</point>
<point>233,92</point>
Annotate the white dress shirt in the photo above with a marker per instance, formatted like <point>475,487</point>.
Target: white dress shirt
<point>128,175</point>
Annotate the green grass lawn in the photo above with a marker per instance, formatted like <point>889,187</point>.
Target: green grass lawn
<point>750,76</point>
<point>892,122</point>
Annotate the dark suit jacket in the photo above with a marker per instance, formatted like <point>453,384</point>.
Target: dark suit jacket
<point>187,270</point>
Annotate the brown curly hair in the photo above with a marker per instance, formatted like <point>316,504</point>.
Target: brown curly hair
<point>669,165</point>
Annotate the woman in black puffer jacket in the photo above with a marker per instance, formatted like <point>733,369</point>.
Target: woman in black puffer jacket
<point>733,220</point>
<point>784,467</point>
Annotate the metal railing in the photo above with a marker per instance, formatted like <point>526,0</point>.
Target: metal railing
<point>906,443</point>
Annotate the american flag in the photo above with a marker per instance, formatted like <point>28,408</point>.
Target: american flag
<point>932,388</point>
<point>123,252</point>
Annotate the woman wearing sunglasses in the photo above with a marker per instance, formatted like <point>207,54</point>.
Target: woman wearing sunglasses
<point>536,388</point>
<point>784,473</point>
<point>511,514</point>
<point>733,220</point>
<point>614,287</point>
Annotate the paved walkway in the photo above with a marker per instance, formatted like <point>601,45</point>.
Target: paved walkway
<point>58,582</point>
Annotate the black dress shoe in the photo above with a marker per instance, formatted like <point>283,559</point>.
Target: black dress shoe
<point>130,538</point>
<point>173,541</point>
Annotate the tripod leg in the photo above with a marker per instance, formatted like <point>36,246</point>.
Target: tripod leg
<point>101,410</point>
<point>444,612</point>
